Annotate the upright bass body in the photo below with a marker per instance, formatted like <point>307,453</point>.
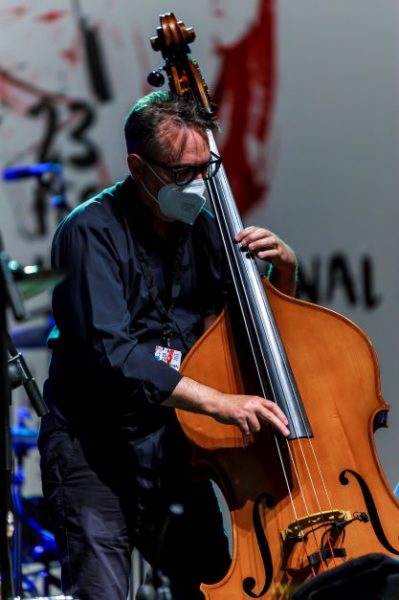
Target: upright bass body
<point>332,501</point>
<point>304,505</point>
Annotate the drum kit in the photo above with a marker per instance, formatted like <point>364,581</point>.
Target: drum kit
<point>33,550</point>
<point>34,554</point>
<point>28,560</point>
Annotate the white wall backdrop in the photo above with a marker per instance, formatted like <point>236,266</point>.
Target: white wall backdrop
<point>332,151</point>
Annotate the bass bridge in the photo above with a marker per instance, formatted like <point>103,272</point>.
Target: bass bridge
<point>334,521</point>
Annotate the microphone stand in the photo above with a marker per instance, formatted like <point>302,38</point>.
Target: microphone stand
<point>9,297</point>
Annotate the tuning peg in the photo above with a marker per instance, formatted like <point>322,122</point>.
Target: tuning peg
<point>156,78</point>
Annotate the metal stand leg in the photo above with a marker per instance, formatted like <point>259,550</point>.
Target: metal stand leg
<point>137,573</point>
<point>17,481</point>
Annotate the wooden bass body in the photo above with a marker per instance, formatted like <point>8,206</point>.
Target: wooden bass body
<point>336,503</point>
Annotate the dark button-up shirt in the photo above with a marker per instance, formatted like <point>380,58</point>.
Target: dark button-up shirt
<point>107,323</point>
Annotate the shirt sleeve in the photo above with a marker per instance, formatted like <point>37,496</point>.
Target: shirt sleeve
<point>91,312</point>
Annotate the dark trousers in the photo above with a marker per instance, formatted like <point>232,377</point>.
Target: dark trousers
<point>99,515</point>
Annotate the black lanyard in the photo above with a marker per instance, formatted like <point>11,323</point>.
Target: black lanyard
<point>169,325</point>
<point>134,212</point>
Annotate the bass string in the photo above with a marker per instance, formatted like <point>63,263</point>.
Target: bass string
<point>243,302</point>
<point>241,290</point>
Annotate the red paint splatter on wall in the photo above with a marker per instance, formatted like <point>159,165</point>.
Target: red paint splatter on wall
<point>72,55</point>
<point>51,16</point>
<point>245,90</point>
<point>10,97</point>
<point>16,11</point>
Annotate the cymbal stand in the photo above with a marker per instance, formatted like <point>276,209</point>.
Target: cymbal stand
<point>9,298</point>
<point>19,374</point>
<point>16,485</point>
<point>26,524</point>
<point>9,295</point>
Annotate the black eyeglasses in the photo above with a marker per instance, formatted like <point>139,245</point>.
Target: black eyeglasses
<point>184,175</point>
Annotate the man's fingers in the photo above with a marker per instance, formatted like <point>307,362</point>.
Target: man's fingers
<point>275,416</point>
<point>274,407</point>
<point>267,411</point>
<point>275,421</point>
<point>249,412</point>
<point>252,423</point>
<point>246,438</point>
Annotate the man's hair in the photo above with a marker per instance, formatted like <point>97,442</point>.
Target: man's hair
<point>161,111</point>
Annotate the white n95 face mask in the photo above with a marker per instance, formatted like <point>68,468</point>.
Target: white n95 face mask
<point>183,203</point>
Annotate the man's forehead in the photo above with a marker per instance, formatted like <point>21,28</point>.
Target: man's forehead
<point>174,141</point>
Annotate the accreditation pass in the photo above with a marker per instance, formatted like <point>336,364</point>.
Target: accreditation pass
<point>169,356</point>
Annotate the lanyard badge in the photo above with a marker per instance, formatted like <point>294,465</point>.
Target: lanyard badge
<point>169,356</point>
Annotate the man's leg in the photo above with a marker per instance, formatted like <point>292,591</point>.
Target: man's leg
<point>83,488</point>
<point>195,546</point>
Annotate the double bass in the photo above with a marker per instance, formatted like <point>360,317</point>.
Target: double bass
<point>309,503</point>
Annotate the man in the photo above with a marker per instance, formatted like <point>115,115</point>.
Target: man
<point>145,274</point>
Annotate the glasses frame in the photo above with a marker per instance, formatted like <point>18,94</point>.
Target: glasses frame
<point>196,169</point>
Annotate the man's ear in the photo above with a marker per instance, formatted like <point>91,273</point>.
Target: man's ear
<point>136,166</point>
